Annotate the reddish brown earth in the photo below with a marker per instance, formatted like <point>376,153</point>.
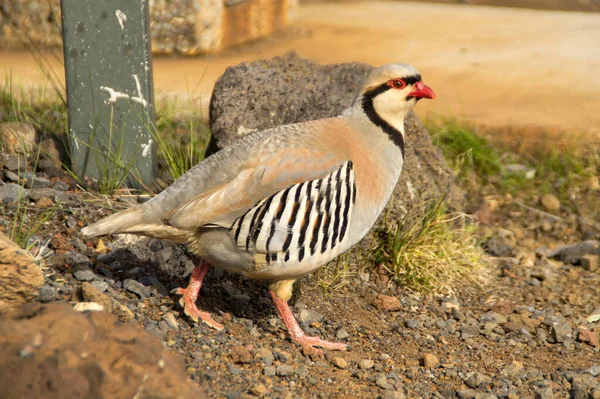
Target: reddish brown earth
<point>531,331</point>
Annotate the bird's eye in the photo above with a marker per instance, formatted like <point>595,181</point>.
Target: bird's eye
<point>397,83</point>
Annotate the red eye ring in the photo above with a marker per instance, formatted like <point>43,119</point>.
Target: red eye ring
<point>397,83</point>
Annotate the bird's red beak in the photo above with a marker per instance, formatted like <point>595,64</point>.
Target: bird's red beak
<point>423,91</point>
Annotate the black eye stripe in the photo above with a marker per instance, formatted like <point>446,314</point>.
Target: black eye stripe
<point>411,80</point>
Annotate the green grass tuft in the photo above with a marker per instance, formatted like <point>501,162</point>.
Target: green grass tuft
<point>335,275</point>
<point>470,155</point>
<point>435,254</point>
<point>476,161</point>
<point>180,142</point>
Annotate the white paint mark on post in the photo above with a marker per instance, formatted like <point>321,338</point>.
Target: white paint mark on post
<point>138,86</point>
<point>146,148</point>
<point>75,139</point>
<point>115,95</point>
<point>121,17</point>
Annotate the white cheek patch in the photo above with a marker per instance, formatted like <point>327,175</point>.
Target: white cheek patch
<point>392,107</point>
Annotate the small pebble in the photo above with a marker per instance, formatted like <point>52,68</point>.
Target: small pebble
<point>546,226</point>
<point>71,222</point>
<point>60,186</point>
<point>301,370</point>
<point>37,182</point>
<point>392,394</point>
<point>342,333</point>
<point>259,390</point>
<point>61,197</point>
<point>234,369</point>
<point>492,317</point>
<point>387,303</point>
<point>366,364</point>
<point>26,351</point>
<point>550,202</point>
<point>284,370</point>
<point>150,281</point>
<point>545,393</point>
<point>47,293</point>
<point>469,331</point>
<point>11,176</point>
<point>589,337</point>
<point>560,332</point>
<point>594,371</point>
<point>429,361</point>
<point>270,371</point>
<point>477,380</point>
<point>100,285</point>
<point>169,318</point>
<point>340,362</point>
<point>282,356</point>
<point>16,163</point>
<point>264,356</point>
<point>589,262</point>
<point>84,274</point>
<point>412,324</point>
<point>513,371</point>
<point>310,316</point>
<point>135,287</point>
<point>88,307</point>
<point>240,354</point>
<point>382,382</point>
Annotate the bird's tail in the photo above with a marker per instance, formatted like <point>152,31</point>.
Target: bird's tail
<point>126,221</point>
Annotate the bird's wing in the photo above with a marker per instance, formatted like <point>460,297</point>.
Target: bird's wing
<point>302,221</point>
<point>265,173</point>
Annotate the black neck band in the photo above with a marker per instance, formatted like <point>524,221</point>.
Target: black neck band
<point>367,105</point>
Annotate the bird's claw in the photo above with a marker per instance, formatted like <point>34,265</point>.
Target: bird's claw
<point>192,311</point>
<point>315,342</point>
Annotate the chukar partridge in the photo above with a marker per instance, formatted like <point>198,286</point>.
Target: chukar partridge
<point>280,203</point>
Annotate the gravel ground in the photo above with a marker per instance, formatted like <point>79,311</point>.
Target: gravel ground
<point>531,332</point>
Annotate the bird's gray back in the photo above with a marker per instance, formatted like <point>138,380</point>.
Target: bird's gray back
<point>224,166</point>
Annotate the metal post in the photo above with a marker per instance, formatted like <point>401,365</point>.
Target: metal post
<point>109,88</point>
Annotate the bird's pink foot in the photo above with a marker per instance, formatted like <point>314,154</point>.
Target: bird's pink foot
<point>190,295</point>
<point>190,309</point>
<point>306,340</point>
<point>296,332</point>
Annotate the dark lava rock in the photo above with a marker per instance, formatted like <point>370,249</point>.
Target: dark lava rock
<point>135,287</point>
<point>16,163</point>
<point>258,95</point>
<point>150,281</point>
<point>34,182</point>
<point>84,274</point>
<point>12,193</point>
<point>47,293</point>
<point>37,193</point>
<point>501,243</point>
<point>575,252</point>
<point>561,332</point>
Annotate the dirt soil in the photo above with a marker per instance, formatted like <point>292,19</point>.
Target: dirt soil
<point>534,71</point>
<point>531,332</point>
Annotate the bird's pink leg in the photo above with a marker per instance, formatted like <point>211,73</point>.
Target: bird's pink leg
<point>190,294</point>
<point>296,332</point>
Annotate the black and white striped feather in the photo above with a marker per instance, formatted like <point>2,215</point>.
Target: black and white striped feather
<point>300,224</point>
